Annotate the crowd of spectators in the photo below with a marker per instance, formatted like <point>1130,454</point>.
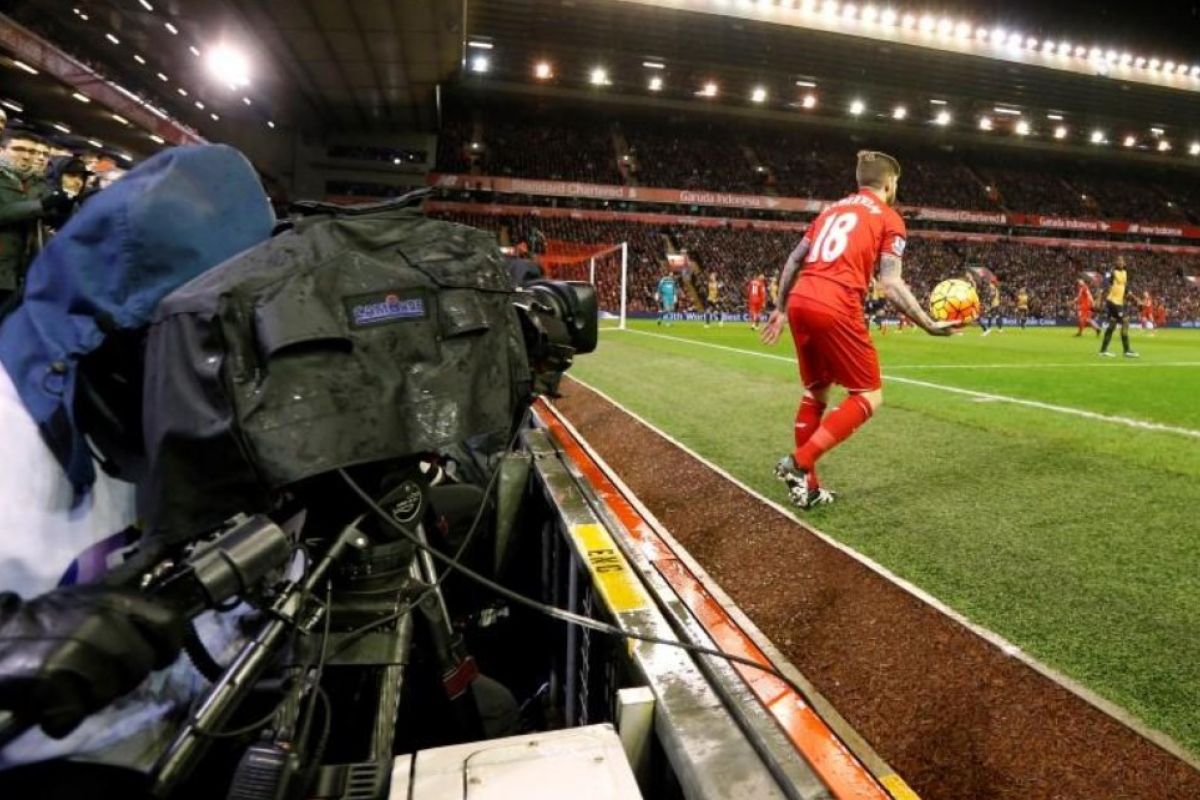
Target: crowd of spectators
<point>41,185</point>
<point>736,254</point>
<point>754,157</point>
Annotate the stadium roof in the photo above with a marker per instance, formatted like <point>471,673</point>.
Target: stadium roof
<point>739,46</point>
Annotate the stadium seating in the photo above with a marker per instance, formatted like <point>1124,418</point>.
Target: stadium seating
<point>684,153</point>
<point>737,253</point>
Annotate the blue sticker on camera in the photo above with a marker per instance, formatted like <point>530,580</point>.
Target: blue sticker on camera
<point>384,308</point>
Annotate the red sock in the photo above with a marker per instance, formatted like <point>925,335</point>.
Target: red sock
<point>837,428</point>
<point>808,421</point>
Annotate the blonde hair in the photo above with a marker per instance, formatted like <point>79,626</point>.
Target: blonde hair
<point>874,168</point>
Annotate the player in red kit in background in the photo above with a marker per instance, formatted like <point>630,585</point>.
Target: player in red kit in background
<point>825,282</point>
<point>1083,308</point>
<point>757,298</point>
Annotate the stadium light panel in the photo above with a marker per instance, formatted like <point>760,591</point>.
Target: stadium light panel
<point>985,123</point>
<point>1080,51</point>
<point>83,98</point>
<point>95,143</point>
<point>759,95</point>
<point>1022,128</point>
<point>1164,146</point>
<point>945,26</point>
<point>1157,131</point>
<point>942,118</point>
<point>199,105</point>
<point>849,12</point>
<point>1194,149</point>
<point>1155,63</point>
<point>936,102</point>
<point>1014,39</point>
<point>1064,48</point>
<point>1094,54</point>
<point>709,90</point>
<point>909,21</point>
<point>119,119</point>
<point>11,106</point>
<point>809,101</point>
<point>194,51</point>
<point>1126,59</point>
<point>246,100</point>
<point>1031,43</point>
<point>1011,111</point>
<point>154,137</point>
<point>808,6</point>
<point>162,77</point>
<point>1097,137</point>
<point>21,65</point>
<point>270,124</point>
<point>1168,66</point>
<point>654,65</point>
<point>899,112</point>
<point>174,31</point>
<point>857,107</point>
<point>807,84</point>
<point>999,35</point>
<point>982,34</point>
<point>870,14</point>
<point>928,24</point>
<point>963,30</point>
<point>139,59</point>
<point>479,45</point>
<point>112,38</point>
<point>656,84</point>
<point>542,70</point>
<point>1129,141</point>
<point>1139,62</point>
<point>888,16</point>
<point>480,64</point>
<point>598,76</point>
<point>58,126</point>
<point>829,8</point>
<point>229,66</point>
<point>1055,117</point>
<point>182,91</point>
<point>1060,132</point>
<point>1112,56</point>
<point>1048,46</point>
<point>215,118</point>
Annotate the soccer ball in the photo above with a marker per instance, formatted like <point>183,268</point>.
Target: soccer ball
<point>954,300</point>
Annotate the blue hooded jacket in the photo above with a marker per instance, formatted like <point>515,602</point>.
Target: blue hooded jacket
<point>169,219</point>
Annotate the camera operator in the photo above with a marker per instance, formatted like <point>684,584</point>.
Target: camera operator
<point>24,203</point>
<point>70,644</point>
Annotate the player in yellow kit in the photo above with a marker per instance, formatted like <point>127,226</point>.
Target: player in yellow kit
<point>1022,307</point>
<point>1115,283</point>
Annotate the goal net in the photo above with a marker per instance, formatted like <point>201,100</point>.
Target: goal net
<point>604,266</point>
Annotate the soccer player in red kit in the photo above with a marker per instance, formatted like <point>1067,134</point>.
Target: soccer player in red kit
<point>1083,307</point>
<point>757,298</point>
<point>1146,311</point>
<point>825,282</point>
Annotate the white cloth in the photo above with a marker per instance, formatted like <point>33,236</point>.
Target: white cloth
<point>46,537</point>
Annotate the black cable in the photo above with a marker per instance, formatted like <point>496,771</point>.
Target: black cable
<point>354,635</point>
<point>558,613</point>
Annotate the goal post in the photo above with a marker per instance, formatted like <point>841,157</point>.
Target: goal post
<point>606,267</point>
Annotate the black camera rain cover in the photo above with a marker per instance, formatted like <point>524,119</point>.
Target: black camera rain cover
<point>358,335</point>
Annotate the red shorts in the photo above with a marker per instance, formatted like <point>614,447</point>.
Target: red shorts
<point>832,344</point>
<point>1085,313</point>
<point>756,309</point>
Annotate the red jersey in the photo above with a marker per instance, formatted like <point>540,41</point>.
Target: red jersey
<point>758,292</point>
<point>1083,298</point>
<point>1147,305</point>
<point>844,246</point>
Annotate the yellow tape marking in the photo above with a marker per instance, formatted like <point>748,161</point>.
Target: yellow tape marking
<point>613,578</point>
<point>897,788</point>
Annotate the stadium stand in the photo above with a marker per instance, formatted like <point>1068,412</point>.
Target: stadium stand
<point>686,153</point>
<point>737,253</point>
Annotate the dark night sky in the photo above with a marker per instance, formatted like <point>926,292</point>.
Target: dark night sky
<point>1169,29</point>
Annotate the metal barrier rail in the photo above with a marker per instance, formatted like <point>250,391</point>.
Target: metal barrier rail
<point>784,724</point>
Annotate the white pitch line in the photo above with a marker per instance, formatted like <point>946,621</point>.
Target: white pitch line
<point>986,396</point>
<point>1096,365</point>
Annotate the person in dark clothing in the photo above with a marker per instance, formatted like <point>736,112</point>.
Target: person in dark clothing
<point>24,203</point>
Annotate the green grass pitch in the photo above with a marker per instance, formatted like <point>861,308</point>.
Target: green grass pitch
<point>1069,525</point>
